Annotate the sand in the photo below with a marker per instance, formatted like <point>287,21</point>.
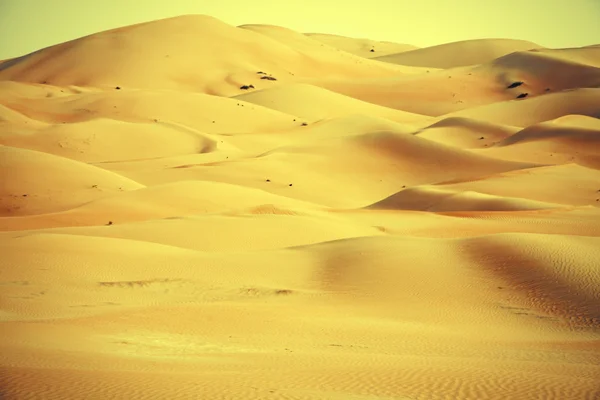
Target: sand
<point>354,224</point>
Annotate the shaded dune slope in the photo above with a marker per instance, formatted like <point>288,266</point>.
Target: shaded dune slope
<point>441,200</point>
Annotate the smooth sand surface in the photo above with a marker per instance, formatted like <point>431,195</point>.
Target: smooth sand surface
<point>393,224</point>
<point>458,54</point>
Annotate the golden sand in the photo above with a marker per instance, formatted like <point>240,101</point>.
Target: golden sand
<point>393,224</point>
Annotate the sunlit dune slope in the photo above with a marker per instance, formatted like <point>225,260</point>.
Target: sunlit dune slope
<point>314,103</point>
<point>10,118</point>
<point>219,114</point>
<point>589,55</point>
<point>570,139</point>
<point>46,183</point>
<point>578,121</point>
<point>214,58</point>
<point>156,202</point>
<point>237,230</point>
<point>466,133</point>
<point>430,92</point>
<point>322,130</point>
<point>525,112</point>
<point>568,184</point>
<point>94,140</point>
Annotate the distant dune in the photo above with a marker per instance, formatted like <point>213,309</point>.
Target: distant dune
<point>458,54</point>
<point>362,47</point>
<point>537,109</point>
<point>221,65</point>
<point>195,210</point>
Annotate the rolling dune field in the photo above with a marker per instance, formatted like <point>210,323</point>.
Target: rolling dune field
<point>195,210</point>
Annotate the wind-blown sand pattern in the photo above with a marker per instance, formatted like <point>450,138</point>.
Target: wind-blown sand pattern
<point>351,224</point>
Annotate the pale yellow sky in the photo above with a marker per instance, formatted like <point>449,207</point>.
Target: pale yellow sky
<point>28,25</point>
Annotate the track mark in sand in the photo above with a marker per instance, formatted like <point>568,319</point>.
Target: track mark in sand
<point>188,166</point>
<point>257,292</point>
<point>270,209</point>
<point>354,346</point>
<point>106,303</point>
<point>134,284</point>
<point>14,283</point>
<point>527,312</point>
<point>381,228</point>
<point>154,344</point>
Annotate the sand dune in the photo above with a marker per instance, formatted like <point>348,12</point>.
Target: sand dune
<point>422,156</point>
<point>361,47</point>
<point>553,142</point>
<point>47,183</point>
<point>525,112</point>
<point>314,103</point>
<point>93,141</point>
<point>156,202</point>
<point>12,117</point>
<point>190,209</point>
<point>547,131</point>
<point>589,55</point>
<point>329,128</point>
<point>579,121</point>
<point>344,63</point>
<point>229,231</point>
<point>440,200</point>
<point>222,115</point>
<point>363,168</point>
<point>458,54</point>
<point>466,133</point>
<point>568,220</point>
<point>235,55</point>
<point>430,92</point>
<point>437,92</point>
<point>548,70</point>
<point>545,184</point>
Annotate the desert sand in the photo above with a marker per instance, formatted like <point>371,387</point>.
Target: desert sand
<point>194,210</point>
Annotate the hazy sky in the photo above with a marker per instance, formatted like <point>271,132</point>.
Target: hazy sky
<point>28,25</point>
